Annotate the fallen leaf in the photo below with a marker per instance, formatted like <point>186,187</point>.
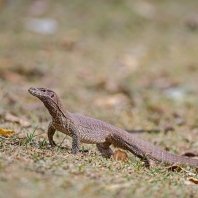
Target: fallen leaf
<point>7,132</point>
<point>166,148</point>
<point>162,83</point>
<point>179,169</point>
<point>193,180</point>
<point>2,4</point>
<point>12,77</point>
<point>175,168</point>
<point>168,129</point>
<point>112,87</point>
<point>28,72</point>
<point>113,100</point>
<point>70,39</point>
<point>5,63</point>
<point>191,21</point>
<point>120,155</point>
<point>190,153</point>
<point>12,118</point>
<point>130,61</point>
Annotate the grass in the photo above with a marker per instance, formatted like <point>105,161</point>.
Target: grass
<point>130,63</point>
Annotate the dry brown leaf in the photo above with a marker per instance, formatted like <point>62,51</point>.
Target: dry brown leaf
<point>193,180</point>
<point>28,72</point>
<point>191,21</point>
<point>70,39</point>
<point>6,132</point>
<point>130,61</point>
<point>5,63</point>
<point>112,100</point>
<point>13,77</point>
<point>190,153</point>
<point>168,129</point>
<point>179,169</point>
<point>11,118</point>
<point>175,168</point>
<point>166,148</point>
<point>120,155</point>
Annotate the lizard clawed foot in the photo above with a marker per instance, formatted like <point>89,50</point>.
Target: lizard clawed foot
<point>81,151</point>
<point>147,161</point>
<point>74,151</point>
<point>53,144</point>
<point>84,150</point>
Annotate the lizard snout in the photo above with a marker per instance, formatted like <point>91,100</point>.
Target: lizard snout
<point>32,90</point>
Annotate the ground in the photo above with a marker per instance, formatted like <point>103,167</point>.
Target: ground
<point>130,63</point>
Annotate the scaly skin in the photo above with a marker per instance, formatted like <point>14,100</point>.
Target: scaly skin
<point>84,129</point>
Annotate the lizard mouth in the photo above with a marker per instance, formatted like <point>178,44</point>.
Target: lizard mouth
<point>34,91</point>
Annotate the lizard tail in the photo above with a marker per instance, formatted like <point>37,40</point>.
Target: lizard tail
<point>142,149</point>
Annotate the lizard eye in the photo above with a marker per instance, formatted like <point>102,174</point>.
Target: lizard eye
<point>43,91</point>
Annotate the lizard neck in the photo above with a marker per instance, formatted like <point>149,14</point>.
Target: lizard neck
<point>56,110</point>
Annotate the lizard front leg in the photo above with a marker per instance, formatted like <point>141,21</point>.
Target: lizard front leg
<point>75,143</point>
<point>50,133</point>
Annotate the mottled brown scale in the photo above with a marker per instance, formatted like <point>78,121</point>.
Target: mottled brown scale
<point>84,129</point>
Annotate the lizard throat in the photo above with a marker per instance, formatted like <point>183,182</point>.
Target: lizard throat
<point>56,110</point>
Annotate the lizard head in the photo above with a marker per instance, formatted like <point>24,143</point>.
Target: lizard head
<point>44,94</point>
<point>49,98</point>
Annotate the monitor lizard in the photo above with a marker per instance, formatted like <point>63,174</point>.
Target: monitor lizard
<point>83,129</point>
